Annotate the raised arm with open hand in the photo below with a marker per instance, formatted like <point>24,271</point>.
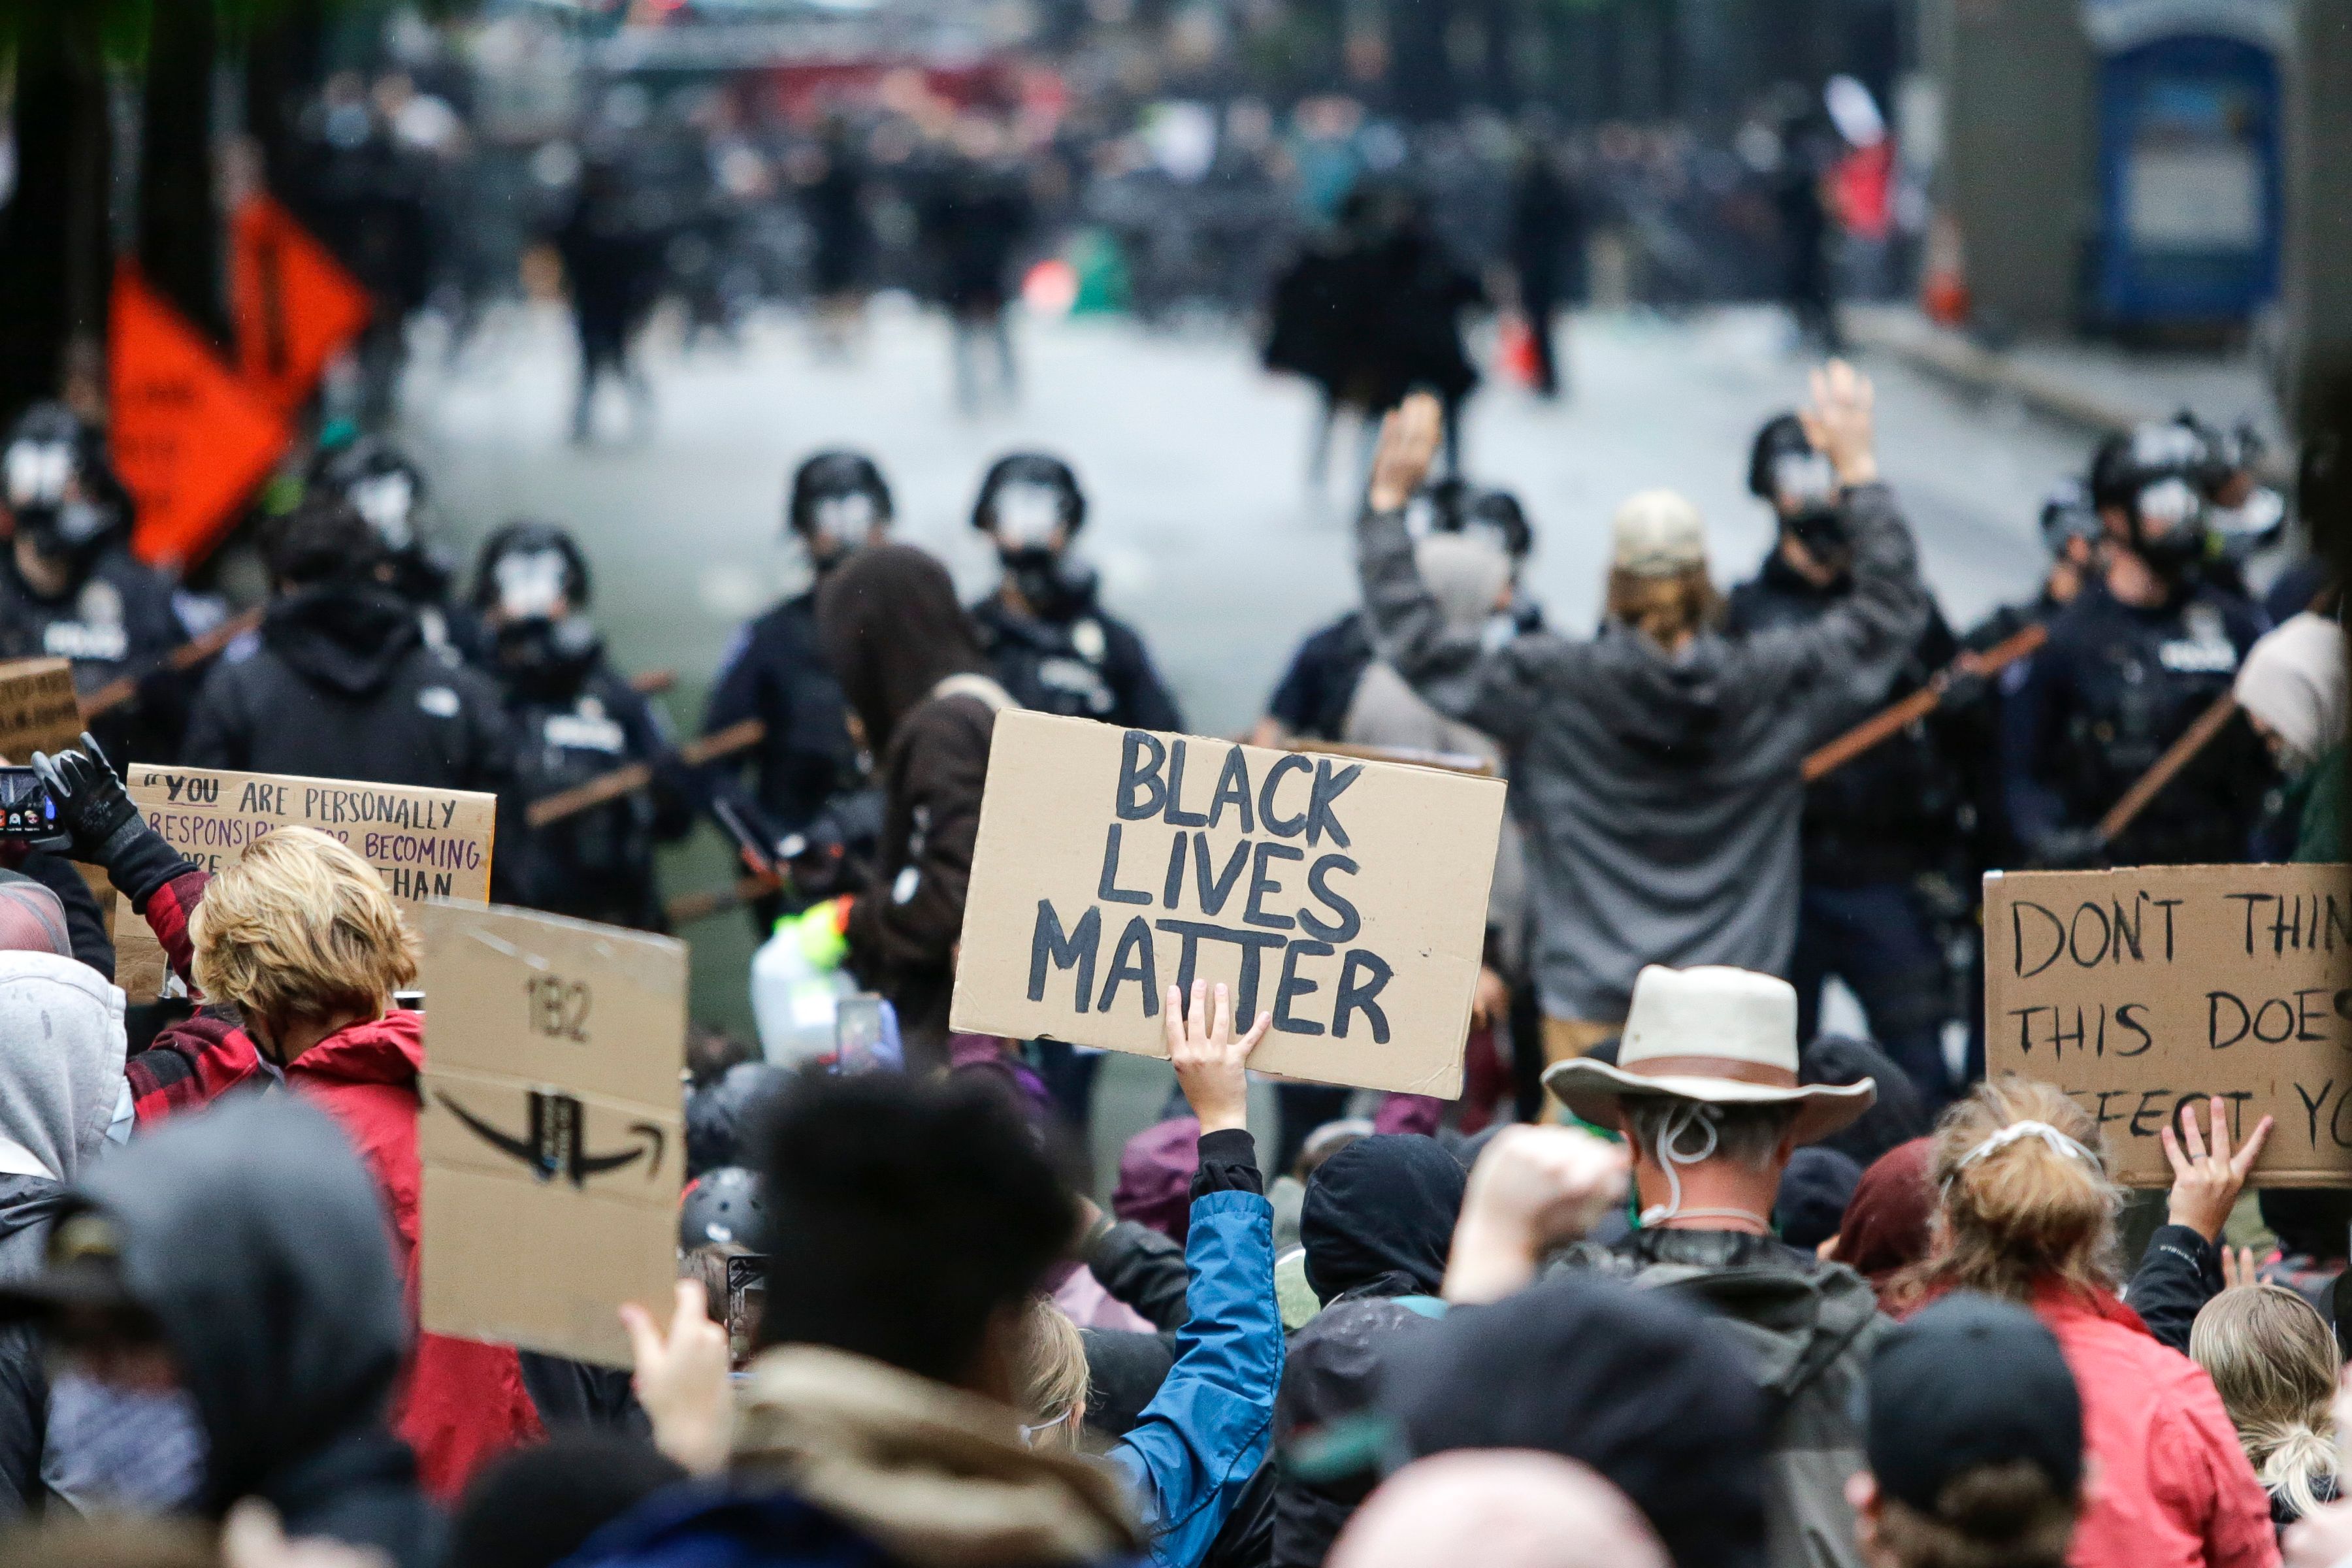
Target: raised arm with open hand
<point>2206,1183</point>
<point>681,1381</point>
<point>1409,437</point>
<point>1839,424</point>
<point>1211,1063</point>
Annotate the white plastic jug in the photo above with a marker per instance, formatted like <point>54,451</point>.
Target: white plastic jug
<point>796,983</point>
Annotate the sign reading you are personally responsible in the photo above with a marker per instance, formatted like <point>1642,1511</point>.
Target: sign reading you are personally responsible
<point>425,843</point>
<point>1347,897</point>
<point>2141,989</point>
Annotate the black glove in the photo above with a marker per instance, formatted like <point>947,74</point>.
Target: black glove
<point>2069,849</point>
<point>104,823</point>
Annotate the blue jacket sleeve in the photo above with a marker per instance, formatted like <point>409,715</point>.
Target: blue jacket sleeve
<point>1205,1434</point>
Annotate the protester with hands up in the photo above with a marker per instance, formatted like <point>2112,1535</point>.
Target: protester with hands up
<point>1660,760</point>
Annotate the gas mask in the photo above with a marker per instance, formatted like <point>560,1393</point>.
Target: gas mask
<point>1028,522</point>
<point>2253,522</point>
<point>846,522</point>
<point>539,642</point>
<point>2168,527</point>
<point>46,493</point>
<point>386,501</point>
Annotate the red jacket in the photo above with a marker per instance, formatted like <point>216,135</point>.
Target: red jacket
<point>464,1401</point>
<point>2174,1488</point>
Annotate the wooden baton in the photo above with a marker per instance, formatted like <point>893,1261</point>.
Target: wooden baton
<point>187,656</point>
<point>1891,721</point>
<point>635,776</point>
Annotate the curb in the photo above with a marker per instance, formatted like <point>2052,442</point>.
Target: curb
<point>1951,357</point>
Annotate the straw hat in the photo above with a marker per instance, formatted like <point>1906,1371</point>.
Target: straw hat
<point>1722,1036</point>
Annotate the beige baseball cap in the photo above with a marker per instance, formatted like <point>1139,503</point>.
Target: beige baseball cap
<point>1656,534</point>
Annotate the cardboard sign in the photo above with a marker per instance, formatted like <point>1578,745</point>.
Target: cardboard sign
<point>1347,897</point>
<point>427,843</point>
<point>2137,990</point>
<point>294,306</point>
<point>38,708</point>
<point>191,440</point>
<point>553,1136</point>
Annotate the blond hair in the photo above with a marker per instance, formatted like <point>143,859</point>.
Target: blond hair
<point>2272,1358</point>
<point>2007,1515</point>
<point>301,929</point>
<point>1053,1377</point>
<point>2012,1219</point>
<point>1669,609</point>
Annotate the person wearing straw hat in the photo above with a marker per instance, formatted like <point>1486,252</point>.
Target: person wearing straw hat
<point>1705,1089</point>
<point>1657,766</point>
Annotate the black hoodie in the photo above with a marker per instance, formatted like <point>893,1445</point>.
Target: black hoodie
<point>255,1236</point>
<point>342,685</point>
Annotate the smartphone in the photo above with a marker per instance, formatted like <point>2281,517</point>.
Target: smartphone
<point>747,1298</point>
<point>28,814</point>
<point>856,1033</point>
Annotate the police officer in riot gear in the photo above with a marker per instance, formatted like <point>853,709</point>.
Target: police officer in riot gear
<point>2149,643</point>
<point>70,588</point>
<point>377,480</point>
<point>1053,648</point>
<point>572,717</point>
<point>1874,830</point>
<point>810,798</point>
<point>1497,517</point>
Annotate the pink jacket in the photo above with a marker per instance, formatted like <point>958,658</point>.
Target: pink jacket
<point>2173,1489</point>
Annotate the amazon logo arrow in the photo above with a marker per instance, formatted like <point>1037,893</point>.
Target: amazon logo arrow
<point>554,1146</point>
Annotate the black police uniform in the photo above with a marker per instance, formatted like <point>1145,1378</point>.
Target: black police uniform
<point>117,620</point>
<point>1089,664</point>
<point>2095,707</point>
<point>774,672</point>
<point>569,727</point>
<point>338,684</point>
<point>1870,830</point>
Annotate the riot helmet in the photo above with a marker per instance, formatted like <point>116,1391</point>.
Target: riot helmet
<point>1030,505</point>
<point>1495,515</point>
<point>722,1207</point>
<point>388,491</point>
<point>2154,478</point>
<point>839,502</point>
<point>380,483</point>
<point>2068,515</point>
<point>60,489</point>
<point>531,584</point>
<point>1785,469</point>
<point>2243,513</point>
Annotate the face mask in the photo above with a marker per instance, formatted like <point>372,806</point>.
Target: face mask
<point>849,520</point>
<point>540,652</point>
<point>39,473</point>
<point>2254,518</point>
<point>1026,516</point>
<point>531,583</point>
<point>141,1452</point>
<point>1056,587</point>
<point>388,503</point>
<point>1804,482</point>
<point>2168,527</point>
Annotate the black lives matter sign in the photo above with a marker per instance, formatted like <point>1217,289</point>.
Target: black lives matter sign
<point>1346,897</point>
<point>2142,989</point>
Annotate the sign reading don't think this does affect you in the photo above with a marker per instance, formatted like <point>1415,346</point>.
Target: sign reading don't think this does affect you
<point>2142,989</point>
<point>1347,897</point>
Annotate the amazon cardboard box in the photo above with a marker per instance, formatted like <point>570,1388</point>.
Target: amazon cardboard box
<point>552,1135</point>
<point>426,843</point>
<point>1346,896</point>
<point>2143,989</point>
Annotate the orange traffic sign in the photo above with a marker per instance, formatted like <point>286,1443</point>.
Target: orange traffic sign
<point>294,304</point>
<point>192,440</point>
